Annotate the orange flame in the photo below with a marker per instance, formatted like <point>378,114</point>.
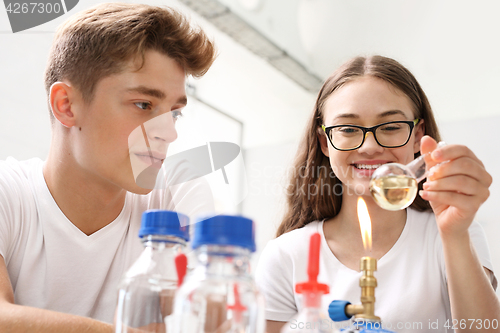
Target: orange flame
<point>365,224</point>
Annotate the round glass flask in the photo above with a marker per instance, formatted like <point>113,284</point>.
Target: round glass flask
<point>394,186</point>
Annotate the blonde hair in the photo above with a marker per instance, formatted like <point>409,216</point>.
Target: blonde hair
<point>303,208</point>
<point>99,42</point>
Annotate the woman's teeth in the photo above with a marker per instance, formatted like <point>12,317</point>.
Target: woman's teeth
<point>367,166</point>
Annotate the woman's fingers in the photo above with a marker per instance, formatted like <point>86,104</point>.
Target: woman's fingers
<point>461,192</point>
<point>459,183</point>
<point>452,152</point>
<point>461,166</point>
<point>448,199</point>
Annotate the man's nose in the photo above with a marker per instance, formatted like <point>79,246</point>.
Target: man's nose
<point>161,128</point>
<point>370,146</point>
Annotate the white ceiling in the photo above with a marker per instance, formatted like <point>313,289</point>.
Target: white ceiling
<point>451,46</point>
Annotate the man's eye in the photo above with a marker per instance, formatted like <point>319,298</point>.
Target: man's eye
<point>143,105</point>
<point>176,114</point>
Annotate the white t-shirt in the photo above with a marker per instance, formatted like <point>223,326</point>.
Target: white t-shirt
<point>411,294</point>
<point>51,263</point>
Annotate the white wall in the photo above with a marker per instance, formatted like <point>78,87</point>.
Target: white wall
<point>24,119</point>
<point>481,136</point>
<point>267,168</point>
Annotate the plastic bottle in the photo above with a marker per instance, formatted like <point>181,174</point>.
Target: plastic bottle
<point>312,318</point>
<point>147,290</point>
<point>219,295</point>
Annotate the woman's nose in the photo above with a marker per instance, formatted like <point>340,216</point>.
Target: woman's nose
<point>370,146</point>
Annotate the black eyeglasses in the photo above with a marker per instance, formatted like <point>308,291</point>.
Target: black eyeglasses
<point>392,134</point>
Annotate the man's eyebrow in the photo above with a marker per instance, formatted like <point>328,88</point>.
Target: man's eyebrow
<point>147,91</point>
<point>155,93</point>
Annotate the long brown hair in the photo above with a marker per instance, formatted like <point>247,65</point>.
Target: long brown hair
<point>312,170</point>
<point>99,41</point>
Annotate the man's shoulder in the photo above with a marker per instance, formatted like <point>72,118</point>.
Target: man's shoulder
<point>18,183</point>
<point>22,169</point>
<point>17,200</point>
<point>16,175</point>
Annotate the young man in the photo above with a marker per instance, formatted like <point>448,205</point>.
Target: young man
<point>68,226</point>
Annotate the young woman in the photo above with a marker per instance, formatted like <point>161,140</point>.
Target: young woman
<point>433,261</point>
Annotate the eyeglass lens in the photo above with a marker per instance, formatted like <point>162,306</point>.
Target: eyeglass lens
<point>390,135</point>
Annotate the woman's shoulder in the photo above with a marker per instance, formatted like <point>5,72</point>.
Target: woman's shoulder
<point>422,228</point>
<point>297,239</point>
<point>281,254</point>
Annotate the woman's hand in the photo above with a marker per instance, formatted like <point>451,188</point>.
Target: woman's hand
<point>457,185</point>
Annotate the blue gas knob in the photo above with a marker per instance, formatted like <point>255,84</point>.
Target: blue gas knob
<point>336,310</point>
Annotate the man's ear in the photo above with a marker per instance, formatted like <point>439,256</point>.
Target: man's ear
<point>61,100</point>
<point>323,141</point>
<point>419,133</point>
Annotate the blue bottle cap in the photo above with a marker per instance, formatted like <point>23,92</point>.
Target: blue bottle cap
<point>164,222</point>
<point>224,230</point>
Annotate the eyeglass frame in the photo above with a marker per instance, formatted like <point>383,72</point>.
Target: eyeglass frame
<point>411,123</point>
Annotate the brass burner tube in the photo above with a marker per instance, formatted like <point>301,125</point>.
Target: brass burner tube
<point>367,282</point>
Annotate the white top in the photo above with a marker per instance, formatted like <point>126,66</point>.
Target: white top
<point>51,263</point>
<point>411,293</point>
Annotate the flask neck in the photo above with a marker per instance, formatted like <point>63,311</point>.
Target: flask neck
<point>417,167</point>
<point>224,260</point>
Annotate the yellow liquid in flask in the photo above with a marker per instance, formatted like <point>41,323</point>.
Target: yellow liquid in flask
<point>394,192</point>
